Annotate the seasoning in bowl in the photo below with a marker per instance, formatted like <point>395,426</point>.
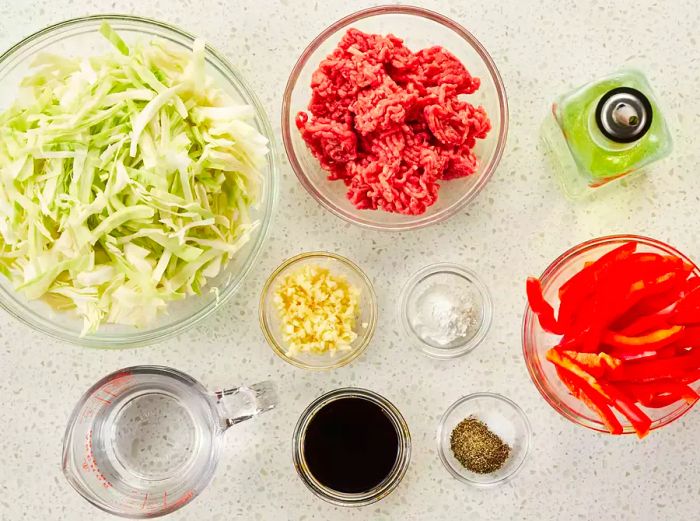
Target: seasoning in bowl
<point>444,315</point>
<point>477,448</point>
<point>390,123</point>
<point>318,310</point>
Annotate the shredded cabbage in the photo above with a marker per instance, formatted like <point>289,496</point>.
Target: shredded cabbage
<point>125,181</point>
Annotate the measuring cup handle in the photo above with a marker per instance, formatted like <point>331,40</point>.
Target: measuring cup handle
<point>242,403</point>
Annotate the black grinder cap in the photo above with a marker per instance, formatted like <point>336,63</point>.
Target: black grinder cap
<point>624,114</point>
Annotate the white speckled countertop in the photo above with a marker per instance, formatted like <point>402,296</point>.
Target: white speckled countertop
<point>516,226</point>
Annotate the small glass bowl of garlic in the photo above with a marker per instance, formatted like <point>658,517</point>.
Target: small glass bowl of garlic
<point>318,310</point>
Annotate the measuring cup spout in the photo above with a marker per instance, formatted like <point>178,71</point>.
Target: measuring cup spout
<point>242,403</point>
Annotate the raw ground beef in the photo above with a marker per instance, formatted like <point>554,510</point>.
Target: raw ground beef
<point>390,123</point>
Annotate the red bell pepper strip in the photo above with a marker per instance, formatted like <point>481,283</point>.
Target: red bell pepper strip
<point>660,401</point>
<point>686,315</point>
<point>637,355</point>
<point>659,302</point>
<point>575,290</point>
<point>615,290</point>
<point>585,279</point>
<point>591,340</point>
<point>621,289</point>
<point>638,418</point>
<point>570,342</point>
<point>642,267</point>
<point>679,263</point>
<point>619,304</point>
<point>691,337</point>
<point>568,309</point>
<point>578,323</point>
<point>567,364</point>
<point>690,377</point>
<point>657,369</point>
<point>650,341</point>
<point>646,323</point>
<point>640,421</point>
<point>581,390</point>
<point>645,392</point>
<point>687,310</point>
<point>542,308</point>
<point>596,364</point>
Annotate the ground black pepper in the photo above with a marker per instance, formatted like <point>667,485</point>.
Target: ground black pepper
<point>477,448</point>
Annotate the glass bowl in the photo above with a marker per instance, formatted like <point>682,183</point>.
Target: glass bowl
<point>504,418</point>
<point>420,28</point>
<point>271,325</point>
<point>427,292</point>
<point>81,37</point>
<point>536,341</point>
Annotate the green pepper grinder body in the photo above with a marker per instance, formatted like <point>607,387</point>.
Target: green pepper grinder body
<point>605,131</point>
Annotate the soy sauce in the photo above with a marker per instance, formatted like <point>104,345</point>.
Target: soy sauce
<point>351,445</point>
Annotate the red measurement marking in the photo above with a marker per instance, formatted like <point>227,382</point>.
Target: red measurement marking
<point>123,375</point>
<point>113,388</point>
<point>165,498</point>
<point>106,391</point>
<point>143,506</point>
<point>184,498</point>
<point>89,464</point>
<point>87,414</point>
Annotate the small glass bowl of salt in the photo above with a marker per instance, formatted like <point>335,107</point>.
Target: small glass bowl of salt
<point>446,310</point>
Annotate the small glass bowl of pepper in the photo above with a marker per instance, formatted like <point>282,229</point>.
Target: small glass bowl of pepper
<point>483,439</point>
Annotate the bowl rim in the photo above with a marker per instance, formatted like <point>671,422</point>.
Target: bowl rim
<point>486,305</point>
<point>266,328</point>
<point>488,169</point>
<point>529,324</point>
<point>268,200</point>
<point>527,436</point>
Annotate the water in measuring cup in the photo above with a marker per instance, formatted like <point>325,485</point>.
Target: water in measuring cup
<point>153,438</point>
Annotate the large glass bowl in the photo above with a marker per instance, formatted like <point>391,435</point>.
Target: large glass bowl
<point>419,28</point>
<point>81,37</point>
<point>536,341</point>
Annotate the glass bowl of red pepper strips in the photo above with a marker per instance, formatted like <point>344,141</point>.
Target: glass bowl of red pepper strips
<point>611,334</point>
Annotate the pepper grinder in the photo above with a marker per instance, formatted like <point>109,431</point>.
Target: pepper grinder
<point>605,131</point>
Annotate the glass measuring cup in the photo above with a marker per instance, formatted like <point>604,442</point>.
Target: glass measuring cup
<point>144,441</point>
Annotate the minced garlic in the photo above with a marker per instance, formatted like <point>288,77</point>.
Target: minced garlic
<point>318,310</point>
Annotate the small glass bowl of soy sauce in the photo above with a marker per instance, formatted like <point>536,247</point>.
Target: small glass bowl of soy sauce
<point>352,447</point>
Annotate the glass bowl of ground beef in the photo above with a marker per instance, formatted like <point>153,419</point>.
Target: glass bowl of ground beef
<point>394,118</point>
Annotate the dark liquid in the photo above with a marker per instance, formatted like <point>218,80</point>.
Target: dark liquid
<point>351,445</point>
